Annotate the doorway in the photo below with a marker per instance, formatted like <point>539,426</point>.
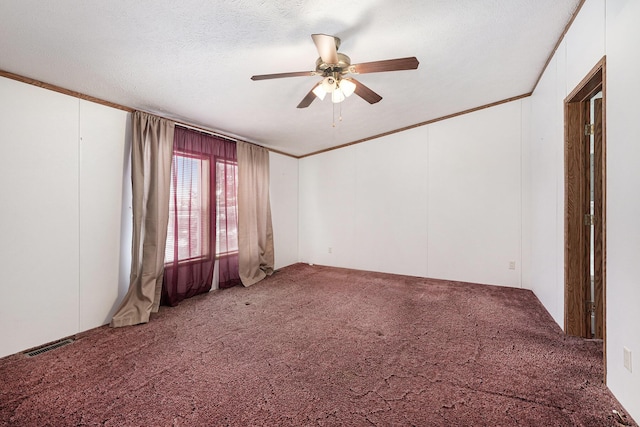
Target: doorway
<point>585,219</point>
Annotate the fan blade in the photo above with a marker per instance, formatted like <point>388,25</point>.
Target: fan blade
<point>410,63</point>
<point>282,75</point>
<point>307,100</point>
<point>365,93</point>
<point>327,48</point>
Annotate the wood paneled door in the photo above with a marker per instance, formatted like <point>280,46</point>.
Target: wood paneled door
<point>585,220</point>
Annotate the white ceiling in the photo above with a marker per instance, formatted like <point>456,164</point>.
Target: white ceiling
<point>192,60</point>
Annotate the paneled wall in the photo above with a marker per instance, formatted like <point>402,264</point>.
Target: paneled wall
<point>601,28</point>
<point>65,245</point>
<point>441,201</point>
<point>284,208</point>
<point>623,200</point>
<point>105,212</point>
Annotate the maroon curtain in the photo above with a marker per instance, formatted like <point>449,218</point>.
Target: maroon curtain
<point>202,216</point>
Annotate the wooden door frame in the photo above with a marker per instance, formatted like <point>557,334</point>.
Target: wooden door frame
<point>575,111</point>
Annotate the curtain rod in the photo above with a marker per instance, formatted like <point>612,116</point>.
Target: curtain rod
<point>208,132</point>
<point>219,135</point>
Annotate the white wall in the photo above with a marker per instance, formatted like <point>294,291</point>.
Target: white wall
<point>546,156</point>
<point>602,27</point>
<point>623,200</point>
<point>474,196</point>
<point>390,204</point>
<point>578,53</point>
<point>284,208</point>
<point>105,212</point>
<point>425,202</point>
<point>39,217</point>
<point>62,221</point>
<point>326,208</point>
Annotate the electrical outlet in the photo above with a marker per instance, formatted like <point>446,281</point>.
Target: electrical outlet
<point>512,265</point>
<point>330,250</point>
<point>627,359</point>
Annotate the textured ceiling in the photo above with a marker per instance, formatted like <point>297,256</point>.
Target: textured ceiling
<point>192,60</point>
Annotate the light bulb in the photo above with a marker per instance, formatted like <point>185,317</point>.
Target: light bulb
<point>347,87</point>
<point>337,96</point>
<point>319,91</point>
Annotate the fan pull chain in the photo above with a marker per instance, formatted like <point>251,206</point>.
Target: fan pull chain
<point>334,113</point>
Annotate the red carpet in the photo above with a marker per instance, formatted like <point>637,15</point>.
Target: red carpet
<point>322,346</point>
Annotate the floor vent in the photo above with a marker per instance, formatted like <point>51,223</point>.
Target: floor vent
<point>48,347</point>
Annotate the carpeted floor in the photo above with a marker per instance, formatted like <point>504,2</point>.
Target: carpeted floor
<point>322,346</point>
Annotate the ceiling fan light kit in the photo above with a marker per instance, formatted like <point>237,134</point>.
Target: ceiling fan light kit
<point>334,66</point>
<point>347,87</point>
<point>329,84</point>
<point>339,89</point>
<point>319,91</point>
<point>337,96</point>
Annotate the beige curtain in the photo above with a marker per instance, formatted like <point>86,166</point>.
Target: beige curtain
<point>151,152</point>
<point>255,233</point>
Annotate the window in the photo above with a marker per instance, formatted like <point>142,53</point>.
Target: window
<point>226,207</point>
<point>188,234</point>
<point>202,236</point>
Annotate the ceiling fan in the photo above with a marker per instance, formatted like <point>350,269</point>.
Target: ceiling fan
<point>334,68</point>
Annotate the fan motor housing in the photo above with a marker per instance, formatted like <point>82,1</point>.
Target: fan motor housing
<point>327,69</point>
